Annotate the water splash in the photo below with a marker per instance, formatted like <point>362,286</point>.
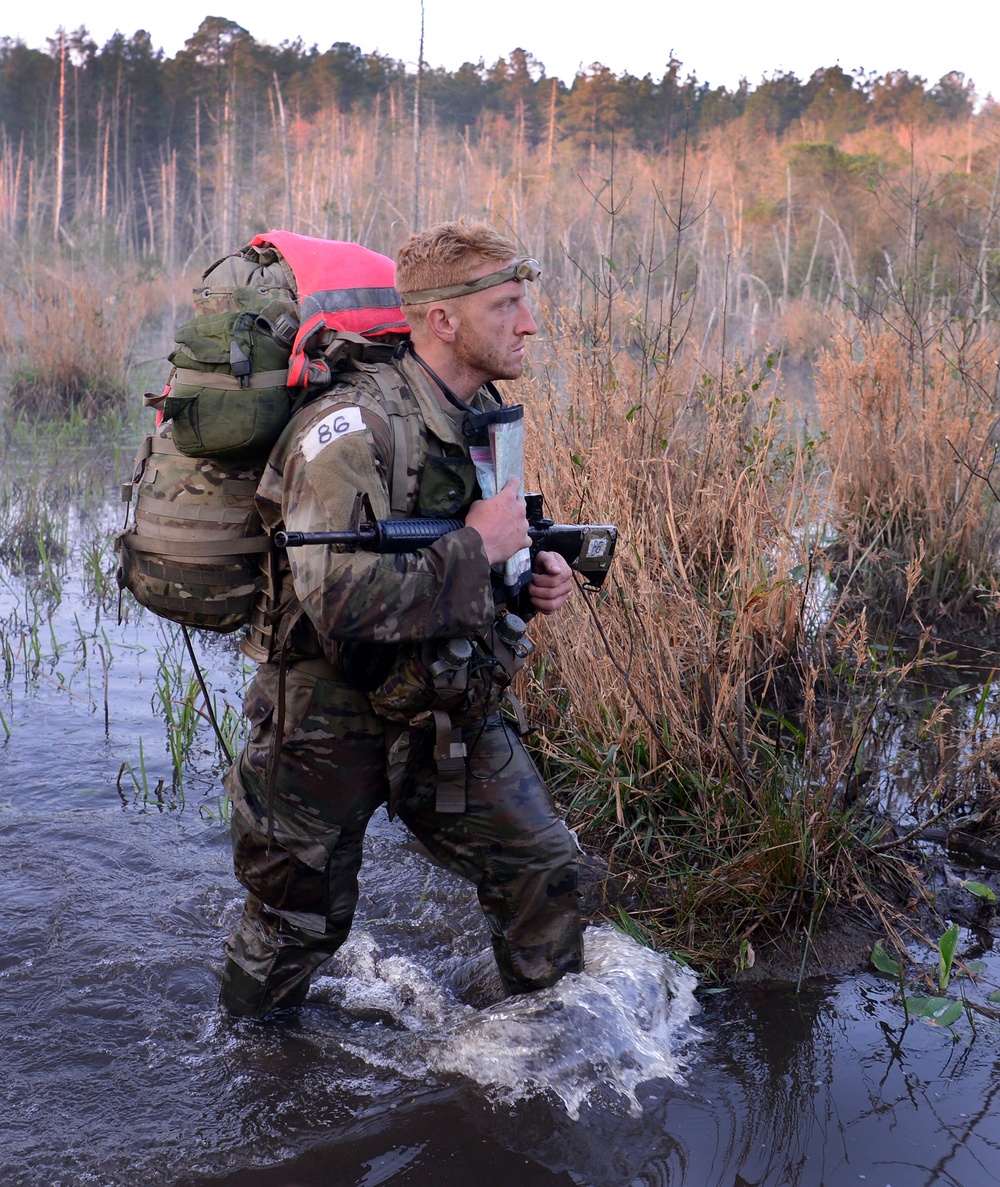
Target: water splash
<point>624,1021</point>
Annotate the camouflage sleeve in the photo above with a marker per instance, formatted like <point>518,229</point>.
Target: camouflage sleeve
<point>433,592</point>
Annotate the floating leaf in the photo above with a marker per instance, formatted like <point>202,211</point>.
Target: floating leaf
<point>937,1010</point>
<point>980,891</point>
<point>975,968</point>
<point>884,962</point>
<point>994,996</point>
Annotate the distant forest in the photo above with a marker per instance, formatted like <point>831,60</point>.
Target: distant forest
<point>153,101</point>
<point>85,128</point>
<point>744,214</point>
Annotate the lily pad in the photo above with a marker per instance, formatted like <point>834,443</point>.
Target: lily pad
<point>937,1010</point>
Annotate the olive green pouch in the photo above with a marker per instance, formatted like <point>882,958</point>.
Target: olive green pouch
<point>227,397</point>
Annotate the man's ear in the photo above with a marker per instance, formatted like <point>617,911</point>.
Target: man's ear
<point>442,323</point>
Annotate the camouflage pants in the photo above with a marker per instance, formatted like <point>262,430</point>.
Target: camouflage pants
<point>331,777</point>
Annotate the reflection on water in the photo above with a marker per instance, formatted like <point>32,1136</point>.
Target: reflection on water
<point>405,1067</point>
<point>118,1067</point>
<point>118,1061</point>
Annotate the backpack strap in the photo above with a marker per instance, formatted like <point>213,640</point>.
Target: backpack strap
<point>223,382</point>
<point>399,418</point>
<point>398,408</point>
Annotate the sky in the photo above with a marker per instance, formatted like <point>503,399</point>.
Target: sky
<point>720,41</point>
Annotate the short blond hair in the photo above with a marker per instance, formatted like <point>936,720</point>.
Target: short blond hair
<point>445,254</point>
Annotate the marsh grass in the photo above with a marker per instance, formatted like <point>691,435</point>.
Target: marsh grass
<point>712,718</point>
<point>71,333</point>
<point>914,452</point>
<point>144,792</point>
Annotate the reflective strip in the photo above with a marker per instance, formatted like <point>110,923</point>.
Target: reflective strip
<point>343,300</point>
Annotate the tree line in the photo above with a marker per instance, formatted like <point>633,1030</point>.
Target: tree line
<point>160,153</point>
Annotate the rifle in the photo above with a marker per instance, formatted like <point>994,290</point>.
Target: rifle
<point>586,547</point>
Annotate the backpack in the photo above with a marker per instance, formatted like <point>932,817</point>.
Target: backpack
<point>274,323</point>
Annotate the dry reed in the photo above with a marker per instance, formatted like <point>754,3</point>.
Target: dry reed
<point>914,451</point>
<point>71,335</point>
<point>706,718</point>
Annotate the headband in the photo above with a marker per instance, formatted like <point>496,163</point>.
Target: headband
<point>519,270</point>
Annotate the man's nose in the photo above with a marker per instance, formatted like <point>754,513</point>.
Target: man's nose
<point>526,323</point>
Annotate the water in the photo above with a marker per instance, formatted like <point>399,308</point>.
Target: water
<point>405,1067</point>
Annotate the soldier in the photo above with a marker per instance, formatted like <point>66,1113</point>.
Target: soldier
<point>363,631</point>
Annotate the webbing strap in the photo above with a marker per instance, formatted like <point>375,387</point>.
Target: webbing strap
<point>209,550</point>
<point>227,513</point>
<point>399,479</point>
<point>221,577</point>
<point>522,725</point>
<point>222,605</point>
<point>142,456</point>
<point>449,758</point>
<point>226,382</point>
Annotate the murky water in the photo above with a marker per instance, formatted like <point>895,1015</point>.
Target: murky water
<point>404,1068</point>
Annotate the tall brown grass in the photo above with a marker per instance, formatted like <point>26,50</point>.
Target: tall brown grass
<point>711,716</point>
<point>914,450</point>
<point>776,229</point>
<point>71,334</point>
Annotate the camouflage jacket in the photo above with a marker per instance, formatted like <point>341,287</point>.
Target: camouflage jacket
<point>340,445</point>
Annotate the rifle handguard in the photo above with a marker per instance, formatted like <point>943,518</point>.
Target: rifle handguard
<point>382,535</point>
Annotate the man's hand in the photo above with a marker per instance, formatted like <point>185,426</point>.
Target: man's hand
<point>501,522</point>
<point>551,582</point>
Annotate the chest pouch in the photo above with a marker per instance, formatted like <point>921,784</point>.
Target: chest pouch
<point>447,488</point>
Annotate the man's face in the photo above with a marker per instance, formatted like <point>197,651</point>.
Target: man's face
<point>493,326</point>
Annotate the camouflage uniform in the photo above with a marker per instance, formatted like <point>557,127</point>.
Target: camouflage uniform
<point>331,772</point>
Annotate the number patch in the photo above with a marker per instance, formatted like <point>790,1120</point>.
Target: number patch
<point>329,429</point>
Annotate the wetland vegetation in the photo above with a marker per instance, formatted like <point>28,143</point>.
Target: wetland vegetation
<point>768,354</point>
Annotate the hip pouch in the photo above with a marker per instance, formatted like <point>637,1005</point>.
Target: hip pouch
<point>465,677</point>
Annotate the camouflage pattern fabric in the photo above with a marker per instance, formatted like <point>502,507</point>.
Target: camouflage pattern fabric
<point>303,883</point>
<point>331,773</point>
<point>192,551</point>
<point>336,447</point>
